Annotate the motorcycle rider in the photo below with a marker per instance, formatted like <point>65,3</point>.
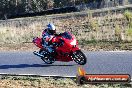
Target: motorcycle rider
<point>47,36</point>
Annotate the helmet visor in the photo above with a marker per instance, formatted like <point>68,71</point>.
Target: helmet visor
<point>52,32</point>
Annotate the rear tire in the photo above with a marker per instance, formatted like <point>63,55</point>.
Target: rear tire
<point>79,57</point>
<point>48,59</point>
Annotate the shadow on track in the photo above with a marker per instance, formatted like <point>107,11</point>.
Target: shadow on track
<point>28,65</point>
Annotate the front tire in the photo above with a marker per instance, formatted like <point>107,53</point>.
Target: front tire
<point>79,57</point>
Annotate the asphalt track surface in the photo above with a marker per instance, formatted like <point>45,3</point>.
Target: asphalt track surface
<point>102,62</point>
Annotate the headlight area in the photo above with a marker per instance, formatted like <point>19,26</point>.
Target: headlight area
<point>73,42</point>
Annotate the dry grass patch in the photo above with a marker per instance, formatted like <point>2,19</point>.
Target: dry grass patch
<point>50,82</point>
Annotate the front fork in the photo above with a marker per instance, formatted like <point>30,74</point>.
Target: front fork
<point>74,49</point>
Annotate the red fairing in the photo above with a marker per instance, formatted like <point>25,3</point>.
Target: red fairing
<point>68,46</point>
<point>38,42</point>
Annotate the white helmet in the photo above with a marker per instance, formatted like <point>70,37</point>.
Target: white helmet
<point>51,28</point>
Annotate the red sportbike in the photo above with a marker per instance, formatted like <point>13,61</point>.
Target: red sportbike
<point>65,49</point>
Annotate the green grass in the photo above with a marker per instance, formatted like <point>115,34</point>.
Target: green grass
<point>128,15</point>
<point>129,32</point>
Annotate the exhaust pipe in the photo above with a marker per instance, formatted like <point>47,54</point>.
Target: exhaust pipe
<point>37,53</point>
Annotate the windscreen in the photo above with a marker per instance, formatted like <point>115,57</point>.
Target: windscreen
<point>67,35</point>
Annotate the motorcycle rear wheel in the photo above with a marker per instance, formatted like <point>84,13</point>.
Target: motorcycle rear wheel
<point>79,57</point>
<point>48,59</point>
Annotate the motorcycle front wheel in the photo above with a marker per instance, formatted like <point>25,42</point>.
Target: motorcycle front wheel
<point>79,57</point>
